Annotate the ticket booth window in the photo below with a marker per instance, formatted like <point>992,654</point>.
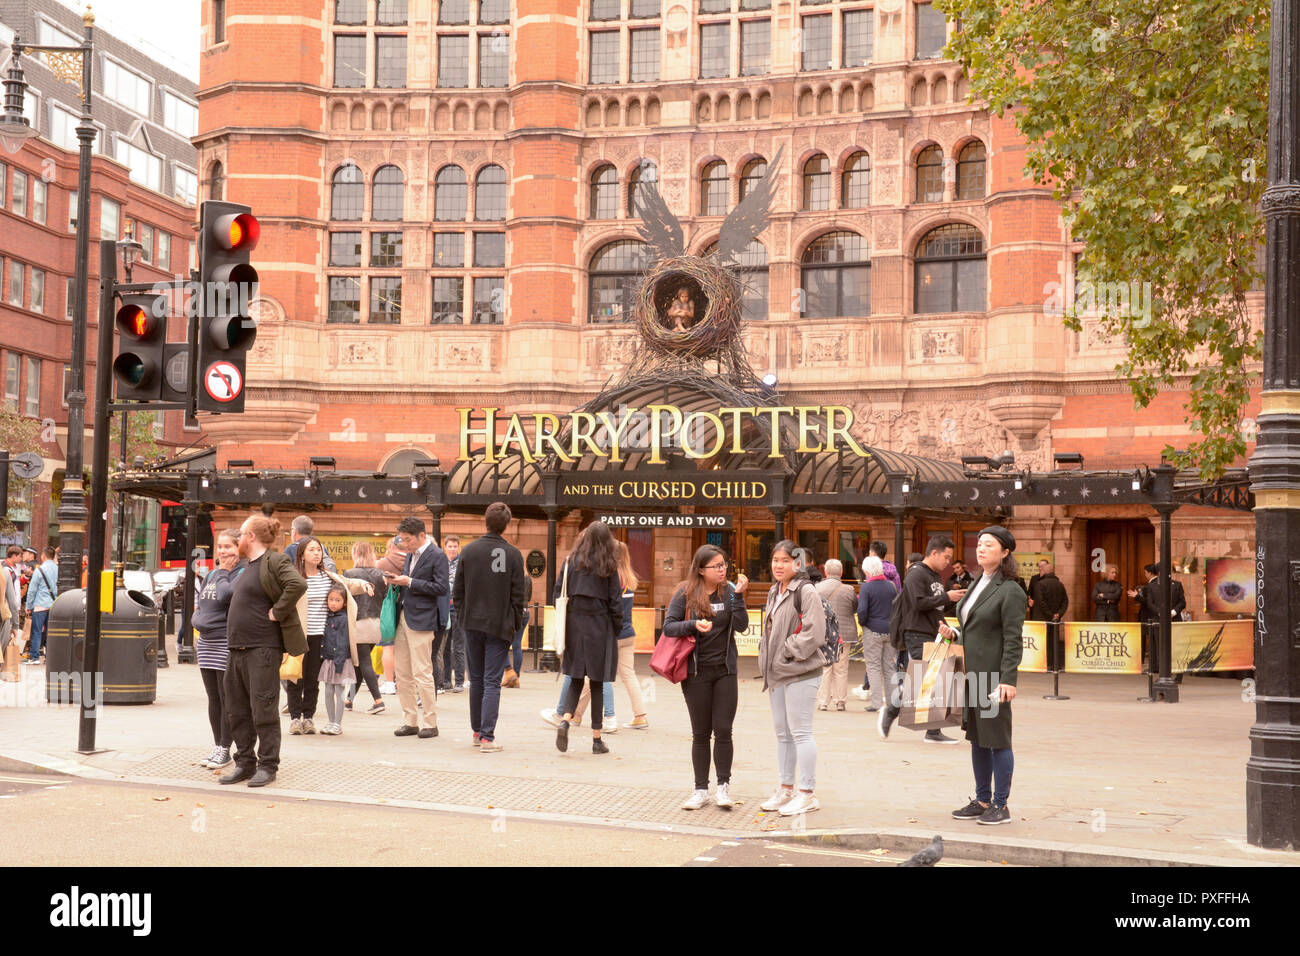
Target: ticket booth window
<point>757,559</point>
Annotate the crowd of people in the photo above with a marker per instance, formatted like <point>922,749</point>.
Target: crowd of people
<point>264,617</point>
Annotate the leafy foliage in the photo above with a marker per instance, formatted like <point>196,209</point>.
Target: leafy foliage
<point>1149,120</point>
<point>18,434</point>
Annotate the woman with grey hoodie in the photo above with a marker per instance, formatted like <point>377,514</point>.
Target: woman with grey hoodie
<point>790,663</point>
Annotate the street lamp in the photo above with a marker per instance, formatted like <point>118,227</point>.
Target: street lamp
<point>1273,770</point>
<point>71,64</point>
<point>129,249</point>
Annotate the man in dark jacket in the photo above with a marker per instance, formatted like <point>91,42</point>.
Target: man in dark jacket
<point>1106,595</point>
<point>489,600</point>
<point>961,580</point>
<point>1150,601</point>
<point>262,628</point>
<point>1048,594</point>
<point>422,581</point>
<point>449,652</point>
<point>919,612</point>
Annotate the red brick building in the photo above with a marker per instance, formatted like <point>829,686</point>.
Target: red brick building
<point>445,188</point>
<point>143,176</point>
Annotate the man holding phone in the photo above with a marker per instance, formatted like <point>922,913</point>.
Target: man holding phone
<point>422,581</point>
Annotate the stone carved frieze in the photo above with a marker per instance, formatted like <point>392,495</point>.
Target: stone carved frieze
<point>944,430</point>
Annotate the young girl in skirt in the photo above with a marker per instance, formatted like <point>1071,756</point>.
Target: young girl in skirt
<point>336,668</point>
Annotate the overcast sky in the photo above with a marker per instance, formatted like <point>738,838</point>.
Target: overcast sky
<point>169,28</point>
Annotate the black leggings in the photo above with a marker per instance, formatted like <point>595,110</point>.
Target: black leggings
<point>367,671</point>
<point>597,699</point>
<point>304,693</point>
<point>712,696</point>
<point>214,682</point>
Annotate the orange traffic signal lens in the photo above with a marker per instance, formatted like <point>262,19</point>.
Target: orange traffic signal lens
<point>236,233</point>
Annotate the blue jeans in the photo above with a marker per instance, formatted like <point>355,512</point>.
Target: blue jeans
<point>992,766</point>
<point>486,657</point>
<point>38,633</point>
<point>517,650</point>
<point>608,709</point>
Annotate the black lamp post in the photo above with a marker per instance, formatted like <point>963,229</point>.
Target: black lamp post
<point>1273,770</point>
<point>73,64</point>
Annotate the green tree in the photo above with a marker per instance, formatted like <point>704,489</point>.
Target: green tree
<point>140,440</point>
<point>1149,120</point>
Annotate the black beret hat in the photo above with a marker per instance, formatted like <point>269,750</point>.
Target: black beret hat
<point>1007,539</point>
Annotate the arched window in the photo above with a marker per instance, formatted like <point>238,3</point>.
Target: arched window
<point>836,276</point>
<point>490,194</point>
<point>855,187</point>
<point>713,189</point>
<point>750,174</point>
<point>612,280</point>
<point>647,173</point>
<point>950,270</point>
<point>817,183</point>
<point>929,175</point>
<point>604,192</point>
<point>753,274</point>
<point>347,193</point>
<point>450,192</point>
<point>216,181</point>
<point>403,463</point>
<point>386,201</point>
<point>970,171</point>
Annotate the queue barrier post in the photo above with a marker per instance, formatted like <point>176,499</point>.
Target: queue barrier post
<point>1150,660</point>
<point>1055,658</point>
<point>161,656</point>
<point>535,635</point>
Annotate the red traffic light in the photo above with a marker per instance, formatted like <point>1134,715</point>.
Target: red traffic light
<point>238,232</point>
<point>135,321</point>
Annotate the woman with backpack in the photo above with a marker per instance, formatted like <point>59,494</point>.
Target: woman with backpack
<point>712,611</point>
<point>790,662</point>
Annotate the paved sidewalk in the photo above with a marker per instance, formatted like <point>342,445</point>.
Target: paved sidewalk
<point>1099,777</point>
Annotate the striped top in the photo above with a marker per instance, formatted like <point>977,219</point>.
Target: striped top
<point>318,586</point>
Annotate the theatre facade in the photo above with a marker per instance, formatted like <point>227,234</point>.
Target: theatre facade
<point>454,261</point>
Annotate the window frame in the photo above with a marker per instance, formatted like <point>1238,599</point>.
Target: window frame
<point>711,186</point>
<point>955,258</point>
<point>839,268</point>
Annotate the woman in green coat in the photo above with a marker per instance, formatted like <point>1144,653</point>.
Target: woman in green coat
<point>992,616</point>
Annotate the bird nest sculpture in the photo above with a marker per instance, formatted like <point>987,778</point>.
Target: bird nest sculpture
<point>688,308</point>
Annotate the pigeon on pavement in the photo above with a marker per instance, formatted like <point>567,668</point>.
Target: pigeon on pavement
<point>929,856</point>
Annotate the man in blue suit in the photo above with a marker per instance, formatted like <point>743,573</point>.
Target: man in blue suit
<point>422,582</point>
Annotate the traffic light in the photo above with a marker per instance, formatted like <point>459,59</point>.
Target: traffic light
<point>142,329</point>
<point>228,232</point>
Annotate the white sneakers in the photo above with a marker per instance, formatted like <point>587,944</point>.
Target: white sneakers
<point>790,802</point>
<point>696,800</point>
<point>388,688</point>
<point>779,798</point>
<point>699,798</point>
<point>802,803</point>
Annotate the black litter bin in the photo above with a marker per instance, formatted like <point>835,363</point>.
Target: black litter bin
<point>128,649</point>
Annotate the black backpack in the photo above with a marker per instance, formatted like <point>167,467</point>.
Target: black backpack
<point>831,648</point>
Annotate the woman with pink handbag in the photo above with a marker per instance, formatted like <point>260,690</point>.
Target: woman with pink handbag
<point>709,612</point>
